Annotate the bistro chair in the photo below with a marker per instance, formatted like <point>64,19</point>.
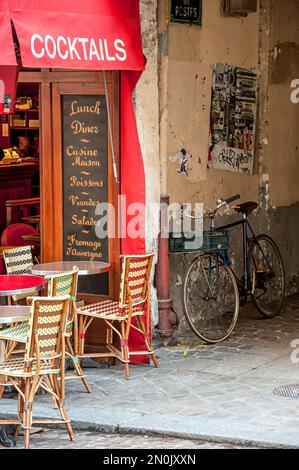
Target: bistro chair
<point>17,261</point>
<point>58,285</point>
<point>43,361</point>
<point>134,303</point>
<point>66,284</point>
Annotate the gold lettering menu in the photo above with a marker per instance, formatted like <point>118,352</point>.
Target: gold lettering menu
<point>85,175</point>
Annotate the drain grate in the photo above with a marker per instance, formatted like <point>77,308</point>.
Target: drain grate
<point>287,391</point>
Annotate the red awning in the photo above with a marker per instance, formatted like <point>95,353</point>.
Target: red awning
<point>88,34</point>
<point>8,72</point>
<point>7,56</point>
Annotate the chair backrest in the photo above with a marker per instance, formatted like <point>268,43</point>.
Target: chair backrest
<point>64,284</point>
<point>18,260</point>
<point>135,278</point>
<point>12,235</point>
<point>47,327</point>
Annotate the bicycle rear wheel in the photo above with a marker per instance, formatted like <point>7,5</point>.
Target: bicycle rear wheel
<point>210,298</point>
<point>267,276</point>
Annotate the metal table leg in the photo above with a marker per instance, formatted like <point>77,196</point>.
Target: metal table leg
<point>6,441</point>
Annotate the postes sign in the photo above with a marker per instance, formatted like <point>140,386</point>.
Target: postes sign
<point>186,11</point>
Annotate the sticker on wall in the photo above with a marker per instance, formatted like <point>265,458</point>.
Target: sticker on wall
<point>233,118</point>
<point>183,158</point>
<point>7,103</point>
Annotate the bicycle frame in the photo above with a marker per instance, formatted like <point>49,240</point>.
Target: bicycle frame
<point>244,283</point>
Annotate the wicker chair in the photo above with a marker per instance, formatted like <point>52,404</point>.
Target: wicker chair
<point>43,361</point>
<point>19,261</point>
<point>66,284</point>
<point>134,303</point>
<point>58,285</point>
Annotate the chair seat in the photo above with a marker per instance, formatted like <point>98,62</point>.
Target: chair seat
<point>17,333</point>
<point>15,368</point>
<point>109,310</point>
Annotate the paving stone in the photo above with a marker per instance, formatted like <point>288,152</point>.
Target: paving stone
<point>211,392</point>
<point>56,439</point>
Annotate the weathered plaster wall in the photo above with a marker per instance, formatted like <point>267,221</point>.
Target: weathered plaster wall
<point>283,114</point>
<point>147,112</point>
<point>187,56</point>
<point>274,43</point>
<point>173,110</point>
<point>283,125</point>
<point>192,52</point>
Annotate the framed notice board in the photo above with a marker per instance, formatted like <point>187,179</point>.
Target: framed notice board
<point>186,11</point>
<point>85,183</point>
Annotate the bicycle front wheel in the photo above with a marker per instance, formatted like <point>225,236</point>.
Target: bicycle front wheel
<point>267,276</point>
<point>210,298</point>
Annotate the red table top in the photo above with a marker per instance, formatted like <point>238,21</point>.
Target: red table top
<point>17,284</point>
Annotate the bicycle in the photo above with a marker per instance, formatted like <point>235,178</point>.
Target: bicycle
<point>213,292</point>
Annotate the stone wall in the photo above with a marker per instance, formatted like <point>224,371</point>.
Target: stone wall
<point>173,110</point>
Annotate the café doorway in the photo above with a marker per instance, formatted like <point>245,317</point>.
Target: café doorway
<point>77,169</point>
<point>19,171</point>
<point>75,135</point>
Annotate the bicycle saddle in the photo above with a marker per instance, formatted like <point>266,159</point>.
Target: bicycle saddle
<point>247,208</point>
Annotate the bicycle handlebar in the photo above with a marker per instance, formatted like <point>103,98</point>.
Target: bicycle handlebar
<point>221,203</point>
<point>233,199</point>
<point>224,203</point>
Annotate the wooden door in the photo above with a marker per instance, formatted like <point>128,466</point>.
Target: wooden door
<point>77,174</point>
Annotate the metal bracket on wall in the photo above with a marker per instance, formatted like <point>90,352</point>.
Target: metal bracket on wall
<point>239,7</point>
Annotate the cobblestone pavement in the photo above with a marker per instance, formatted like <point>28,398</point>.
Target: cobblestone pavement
<point>52,439</point>
<point>220,392</point>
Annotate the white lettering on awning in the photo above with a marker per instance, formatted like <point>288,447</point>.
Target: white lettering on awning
<point>117,44</point>
<point>36,54</point>
<point>64,56</point>
<point>73,49</point>
<point>93,50</point>
<point>49,41</point>
<point>81,49</point>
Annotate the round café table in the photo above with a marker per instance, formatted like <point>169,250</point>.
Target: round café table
<point>15,285</point>
<point>13,314</point>
<point>86,268</point>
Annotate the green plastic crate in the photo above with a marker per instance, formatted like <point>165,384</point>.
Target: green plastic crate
<point>212,241</point>
<point>178,241</point>
<point>215,240</point>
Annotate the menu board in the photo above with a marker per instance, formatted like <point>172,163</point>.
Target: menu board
<point>85,183</point>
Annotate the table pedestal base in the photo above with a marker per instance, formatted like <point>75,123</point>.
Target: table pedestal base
<point>88,362</point>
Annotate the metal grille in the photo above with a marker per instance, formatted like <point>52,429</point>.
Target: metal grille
<point>287,391</point>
